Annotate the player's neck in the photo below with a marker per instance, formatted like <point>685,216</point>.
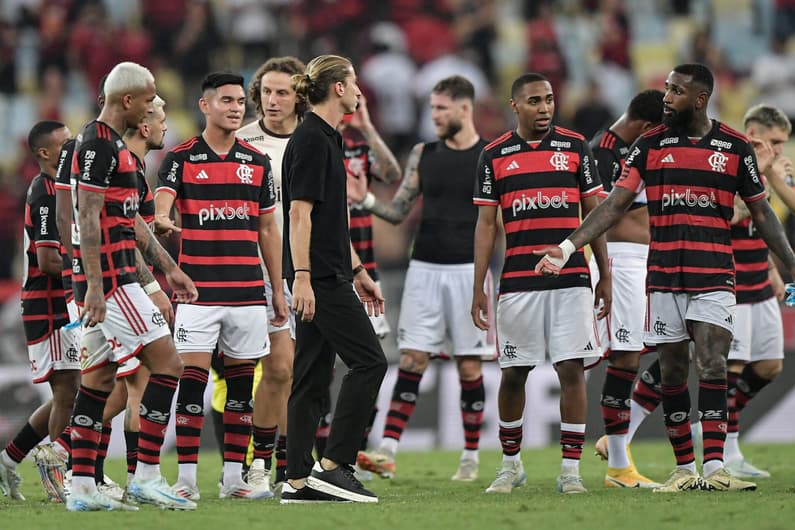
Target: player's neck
<point>47,170</point>
<point>329,111</point>
<point>137,146</point>
<point>622,129</point>
<point>463,139</point>
<point>220,140</point>
<point>283,127</point>
<point>530,135</point>
<point>113,118</point>
<point>699,127</point>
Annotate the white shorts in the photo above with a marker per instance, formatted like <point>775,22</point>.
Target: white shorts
<point>436,305</point>
<point>59,351</point>
<point>288,296</point>
<point>622,329</point>
<point>131,322</point>
<point>758,332</point>
<point>92,341</point>
<point>74,314</point>
<point>237,330</point>
<point>667,314</point>
<point>557,324</point>
<point>380,323</point>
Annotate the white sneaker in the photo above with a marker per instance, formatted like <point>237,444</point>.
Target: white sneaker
<point>510,475</point>
<point>243,491</point>
<point>157,491</point>
<point>52,468</point>
<point>10,482</point>
<point>259,478</point>
<point>95,501</point>
<point>186,491</point>
<point>467,471</point>
<point>570,484</point>
<point>67,482</point>
<point>110,488</point>
<point>742,468</point>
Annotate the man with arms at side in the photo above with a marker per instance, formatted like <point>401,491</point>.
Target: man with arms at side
<point>539,177</point>
<point>223,190</point>
<point>691,168</point>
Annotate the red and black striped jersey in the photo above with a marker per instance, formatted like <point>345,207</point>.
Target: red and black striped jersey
<point>358,161</point>
<point>690,185</point>
<point>609,151</point>
<point>750,261</point>
<point>539,187</point>
<point>103,164</point>
<point>43,302</point>
<point>63,177</point>
<point>220,199</point>
<point>146,208</point>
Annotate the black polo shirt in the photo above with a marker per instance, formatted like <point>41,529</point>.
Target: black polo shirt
<point>313,170</point>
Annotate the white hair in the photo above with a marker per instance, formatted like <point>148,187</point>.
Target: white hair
<point>158,102</point>
<point>127,77</point>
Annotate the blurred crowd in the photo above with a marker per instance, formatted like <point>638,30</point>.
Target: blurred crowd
<point>597,54</point>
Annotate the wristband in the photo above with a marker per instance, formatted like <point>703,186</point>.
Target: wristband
<point>567,248</point>
<point>308,271</point>
<point>368,201</point>
<point>152,287</point>
<point>357,269</point>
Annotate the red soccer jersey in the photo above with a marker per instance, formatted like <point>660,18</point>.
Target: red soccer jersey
<point>538,188</point>
<point>690,186</point>
<point>358,162</point>
<point>63,177</point>
<point>220,200</point>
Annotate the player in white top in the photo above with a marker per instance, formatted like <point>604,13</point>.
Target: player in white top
<point>278,113</point>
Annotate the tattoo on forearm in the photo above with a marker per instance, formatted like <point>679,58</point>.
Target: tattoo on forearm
<point>151,249</point>
<point>142,272</point>
<point>397,210</point>
<point>91,204</point>
<point>385,166</point>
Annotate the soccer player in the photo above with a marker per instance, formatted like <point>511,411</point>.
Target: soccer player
<point>108,229</point>
<point>539,176</point>
<point>223,190</point>
<point>320,264</point>
<point>621,332</point>
<point>691,167</point>
<point>756,355</point>
<point>439,277</point>
<point>52,350</point>
<point>278,114</point>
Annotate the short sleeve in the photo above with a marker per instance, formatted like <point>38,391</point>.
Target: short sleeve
<point>634,167</point>
<point>588,174</point>
<point>64,170</point>
<point>485,188</point>
<point>608,167</point>
<point>96,160</point>
<point>750,184</point>
<point>169,176</point>
<point>306,168</point>
<point>267,195</point>
<point>42,216</point>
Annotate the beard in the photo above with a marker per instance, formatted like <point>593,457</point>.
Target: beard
<point>679,119</point>
<point>453,127</point>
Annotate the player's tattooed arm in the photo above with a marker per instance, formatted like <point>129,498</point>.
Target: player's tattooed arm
<point>396,210</point>
<point>769,227</point>
<point>603,216</point>
<point>91,204</point>
<point>142,272</point>
<point>150,248</point>
<point>385,166</point>
<point>741,210</point>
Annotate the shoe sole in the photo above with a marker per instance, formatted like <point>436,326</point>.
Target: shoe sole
<point>302,501</point>
<point>522,481</point>
<point>253,497</point>
<point>614,483</point>
<point>368,465</point>
<point>331,489</point>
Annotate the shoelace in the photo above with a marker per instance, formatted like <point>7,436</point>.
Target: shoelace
<point>348,471</point>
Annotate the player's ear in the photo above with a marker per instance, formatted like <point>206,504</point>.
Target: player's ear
<point>144,128</point>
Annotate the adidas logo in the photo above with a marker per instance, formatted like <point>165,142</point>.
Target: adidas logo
<point>202,175</point>
<point>668,159</point>
<point>588,347</point>
<point>513,165</point>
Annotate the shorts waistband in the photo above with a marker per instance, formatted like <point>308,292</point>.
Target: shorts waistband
<point>416,264</point>
<point>627,248</point>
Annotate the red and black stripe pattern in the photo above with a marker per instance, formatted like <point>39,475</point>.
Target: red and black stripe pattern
<point>538,188</point>
<point>220,200</point>
<point>358,162</point>
<point>43,301</point>
<point>690,186</point>
<point>147,205</point>
<point>63,181</point>
<point>103,164</point>
<point>609,151</point>
<point>750,261</point>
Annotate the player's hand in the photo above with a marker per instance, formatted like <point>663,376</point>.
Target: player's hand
<point>369,293</point>
<point>163,304</point>
<point>777,284</point>
<point>361,118</point>
<point>780,169</point>
<point>164,225</point>
<point>280,310</point>
<point>764,154</point>
<point>93,306</point>
<point>552,261</point>
<point>603,297</point>
<point>357,188</point>
<point>303,297</point>
<point>480,309</point>
<point>185,291</point>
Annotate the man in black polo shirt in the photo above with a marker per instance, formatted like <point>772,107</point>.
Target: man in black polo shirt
<point>320,266</point>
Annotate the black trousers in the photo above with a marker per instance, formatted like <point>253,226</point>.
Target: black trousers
<point>340,327</point>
